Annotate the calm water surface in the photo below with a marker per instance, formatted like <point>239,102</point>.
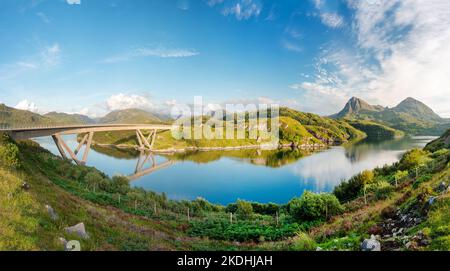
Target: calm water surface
<point>261,176</point>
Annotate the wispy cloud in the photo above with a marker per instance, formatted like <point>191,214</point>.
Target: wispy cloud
<point>43,17</point>
<point>48,57</point>
<point>73,2</point>
<point>51,55</point>
<point>403,49</point>
<point>153,51</point>
<point>328,16</point>
<point>240,9</point>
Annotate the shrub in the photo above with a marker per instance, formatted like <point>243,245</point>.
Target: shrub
<point>413,159</point>
<point>312,207</point>
<point>422,179</point>
<point>119,184</point>
<point>94,180</point>
<point>381,189</point>
<point>244,209</point>
<point>9,155</point>
<point>303,242</point>
<point>352,188</point>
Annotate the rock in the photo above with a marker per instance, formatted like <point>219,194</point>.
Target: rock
<point>447,190</point>
<point>371,244</point>
<point>25,186</point>
<point>79,230</point>
<point>442,187</point>
<point>319,249</point>
<point>431,200</point>
<point>51,212</point>
<point>73,245</point>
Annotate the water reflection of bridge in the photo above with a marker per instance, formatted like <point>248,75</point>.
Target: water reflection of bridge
<point>144,159</point>
<point>145,143</point>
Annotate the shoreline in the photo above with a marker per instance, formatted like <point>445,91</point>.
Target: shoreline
<point>193,148</point>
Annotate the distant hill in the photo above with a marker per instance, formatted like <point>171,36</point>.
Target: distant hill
<point>325,129</point>
<point>68,119</point>
<point>130,116</point>
<point>11,117</point>
<point>356,106</point>
<point>410,116</point>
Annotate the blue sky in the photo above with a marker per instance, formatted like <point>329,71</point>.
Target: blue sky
<point>94,56</point>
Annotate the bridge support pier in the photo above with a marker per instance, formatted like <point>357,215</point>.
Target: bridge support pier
<point>63,148</point>
<point>146,143</point>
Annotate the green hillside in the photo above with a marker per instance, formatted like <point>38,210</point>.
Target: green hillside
<point>440,143</point>
<point>11,117</point>
<point>130,116</point>
<point>325,129</point>
<point>68,119</point>
<point>376,130</point>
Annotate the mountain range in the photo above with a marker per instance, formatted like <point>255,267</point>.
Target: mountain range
<point>411,116</point>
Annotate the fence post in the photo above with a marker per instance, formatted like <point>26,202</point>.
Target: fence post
<point>231,218</point>
<point>188,216</point>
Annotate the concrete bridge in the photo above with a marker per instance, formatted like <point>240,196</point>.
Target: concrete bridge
<point>146,143</point>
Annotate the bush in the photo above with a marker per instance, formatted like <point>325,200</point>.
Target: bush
<point>312,207</point>
<point>9,155</point>
<point>303,242</point>
<point>119,184</point>
<point>352,188</point>
<point>244,209</point>
<point>94,180</point>
<point>381,189</point>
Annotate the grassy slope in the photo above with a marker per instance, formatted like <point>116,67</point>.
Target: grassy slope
<point>375,130</point>
<point>21,118</point>
<point>26,225</point>
<point>66,119</point>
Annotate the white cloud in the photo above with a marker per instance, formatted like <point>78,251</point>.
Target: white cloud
<point>328,14</point>
<point>402,50</point>
<point>27,105</point>
<point>73,2</point>
<point>244,9</point>
<point>332,20</point>
<point>241,9</point>
<point>153,51</point>
<point>126,101</point>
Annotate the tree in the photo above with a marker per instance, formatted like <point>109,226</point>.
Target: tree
<point>366,177</point>
<point>399,175</point>
<point>244,208</point>
<point>413,160</point>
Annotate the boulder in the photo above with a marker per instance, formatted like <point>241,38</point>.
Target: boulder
<point>51,212</point>
<point>25,186</point>
<point>371,244</point>
<point>79,230</point>
<point>442,187</point>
